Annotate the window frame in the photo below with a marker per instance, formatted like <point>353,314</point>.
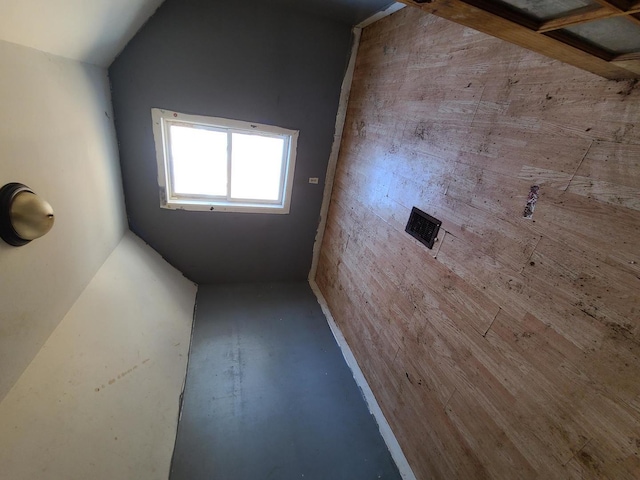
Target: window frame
<point>162,120</point>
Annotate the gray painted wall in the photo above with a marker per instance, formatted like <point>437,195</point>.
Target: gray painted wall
<point>347,11</point>
<point>249,61</point>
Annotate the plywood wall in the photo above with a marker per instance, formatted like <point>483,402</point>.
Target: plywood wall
<point>510,350</point>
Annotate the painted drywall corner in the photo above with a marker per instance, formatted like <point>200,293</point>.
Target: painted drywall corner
<point>59,139</point>
<point>101,398</point>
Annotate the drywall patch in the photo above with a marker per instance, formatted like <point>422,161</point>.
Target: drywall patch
<point>532,199</point>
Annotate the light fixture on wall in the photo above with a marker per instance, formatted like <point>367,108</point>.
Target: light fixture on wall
<point>23,215</point>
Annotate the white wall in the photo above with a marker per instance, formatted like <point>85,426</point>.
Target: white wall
<point>101,398</point>
<point>56,136</point>
<point>90,31</point>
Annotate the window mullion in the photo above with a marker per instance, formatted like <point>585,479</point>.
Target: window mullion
<point>229,153</point>
<point>284,168</point>
<point>255,180</point>
<point>171,183</point>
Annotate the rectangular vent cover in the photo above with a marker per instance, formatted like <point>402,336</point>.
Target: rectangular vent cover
<point>423,227</point>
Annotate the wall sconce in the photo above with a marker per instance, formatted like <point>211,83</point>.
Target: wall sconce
<point>23,215</point>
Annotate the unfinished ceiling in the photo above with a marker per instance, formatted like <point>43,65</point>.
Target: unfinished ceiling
<point>601,36</point>
<point>89,31</point>
<point>96,31</point>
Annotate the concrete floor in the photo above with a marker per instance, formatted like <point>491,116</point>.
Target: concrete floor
<point>268,394</point>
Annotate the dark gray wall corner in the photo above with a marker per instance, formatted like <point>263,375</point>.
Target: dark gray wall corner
<point>245,60</point>
<point>346,11</point>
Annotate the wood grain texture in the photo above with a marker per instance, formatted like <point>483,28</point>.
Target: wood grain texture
<point>512,349</point>
<point>494,19</point>
<point>575,17</point>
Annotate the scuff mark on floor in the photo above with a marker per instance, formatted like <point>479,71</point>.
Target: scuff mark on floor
<point>532,199</point>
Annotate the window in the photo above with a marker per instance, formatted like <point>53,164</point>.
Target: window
<point>216,164</point>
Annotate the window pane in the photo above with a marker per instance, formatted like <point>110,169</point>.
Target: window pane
<point>199,159</point>
<point>617,34</point>
<point>256,167</point>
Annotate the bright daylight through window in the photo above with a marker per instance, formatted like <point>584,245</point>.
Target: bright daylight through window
<point>207,163</point>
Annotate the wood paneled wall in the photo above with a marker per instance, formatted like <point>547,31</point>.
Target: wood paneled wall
<point>512,349</point>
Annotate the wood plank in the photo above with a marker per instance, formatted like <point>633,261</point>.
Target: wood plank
<point>614,163</point>
<point>600,230</point>
<point>632,64</point>
<point>606,192</point>
<point>508,30</point>
<point>481,433</point>
<point>513,348</point>
<point>576,17</point>
<point>543,358</point>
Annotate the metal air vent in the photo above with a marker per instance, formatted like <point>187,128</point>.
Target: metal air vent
<point>423,227</point>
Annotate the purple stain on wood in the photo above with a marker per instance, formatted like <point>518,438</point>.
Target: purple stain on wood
<point>531,201</point>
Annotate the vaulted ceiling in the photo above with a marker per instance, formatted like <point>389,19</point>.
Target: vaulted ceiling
<point>96,31</point>
<point>92,31</point>
<point>600,36</point>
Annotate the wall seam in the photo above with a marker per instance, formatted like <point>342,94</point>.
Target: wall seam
<point>335,151</point>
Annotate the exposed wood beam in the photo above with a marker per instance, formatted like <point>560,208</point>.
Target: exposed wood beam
<point>504,11</point>
<point>576,17</point>
<point>588,14</point>
<point>633,66</point>
<point>511,30</point>
<point>571,40</point>
<point>627,57</point>
<point>630,61</point>
<point>634,18</point>
<point>618,5</point>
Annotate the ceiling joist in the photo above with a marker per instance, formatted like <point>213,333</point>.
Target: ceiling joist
<point>554,37</point>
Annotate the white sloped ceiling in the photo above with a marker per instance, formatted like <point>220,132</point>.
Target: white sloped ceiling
<point>92,31</point>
